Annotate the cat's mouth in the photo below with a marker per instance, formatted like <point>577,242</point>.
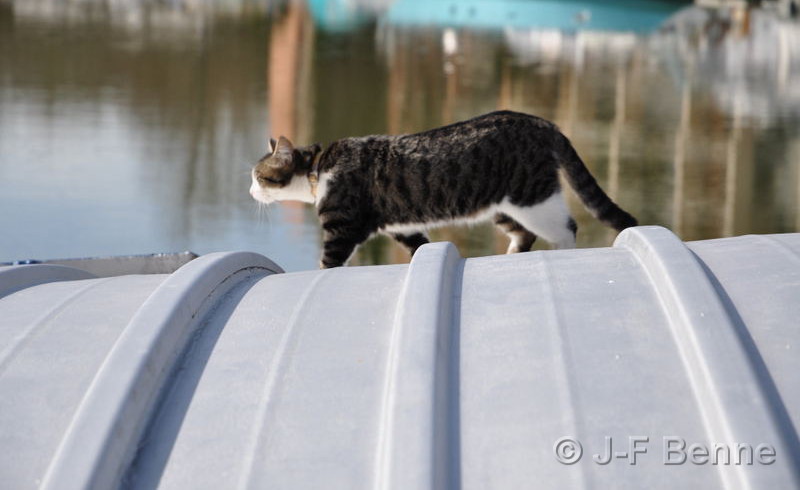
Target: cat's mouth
<point>260,197</point>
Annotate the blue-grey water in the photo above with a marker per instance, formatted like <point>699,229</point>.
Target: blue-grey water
<point>130,127</point>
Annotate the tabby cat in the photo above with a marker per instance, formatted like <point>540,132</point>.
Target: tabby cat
<point>503,165</point>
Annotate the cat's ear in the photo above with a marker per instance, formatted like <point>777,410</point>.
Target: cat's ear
<point>272,145</point>
<point>283,153</point>
<point>284,146</point>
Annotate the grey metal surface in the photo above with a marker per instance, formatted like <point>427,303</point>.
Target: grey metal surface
<point>445,373</point>
<point>165,263</point>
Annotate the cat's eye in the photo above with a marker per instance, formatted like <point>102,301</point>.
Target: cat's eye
<point>265,180</point>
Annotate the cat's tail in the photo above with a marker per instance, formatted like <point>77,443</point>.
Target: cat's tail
<point>584,184</point>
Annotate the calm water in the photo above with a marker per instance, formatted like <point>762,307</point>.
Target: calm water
<point>129,129</point>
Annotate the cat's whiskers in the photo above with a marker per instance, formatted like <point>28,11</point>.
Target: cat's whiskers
<point>262,208</point>
<point>257,212</point>
<point>262,212</point>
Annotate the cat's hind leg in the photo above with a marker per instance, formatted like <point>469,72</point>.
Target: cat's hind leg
<point>521,238</point>
<point>549,219</point>
<point>411,241</point>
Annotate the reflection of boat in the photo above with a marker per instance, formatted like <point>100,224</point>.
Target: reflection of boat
<point>613,15</point>
<point>344,15</point>
<point>749,61</point>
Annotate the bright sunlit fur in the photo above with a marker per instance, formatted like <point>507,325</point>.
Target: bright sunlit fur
<point>545,219</point>
<point>298,189</point>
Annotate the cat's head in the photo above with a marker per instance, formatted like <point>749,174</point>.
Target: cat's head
<point>282,174</point>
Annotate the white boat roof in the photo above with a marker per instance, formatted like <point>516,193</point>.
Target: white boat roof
<point>443,373</point>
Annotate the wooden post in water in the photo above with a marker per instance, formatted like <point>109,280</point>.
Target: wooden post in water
<point>616,134</point>
<point>681,143</point>
<point>731,169</point>
<point>796,151</point>
<point>289,74</point>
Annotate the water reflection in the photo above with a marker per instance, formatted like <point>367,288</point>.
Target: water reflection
<point>127,127</point>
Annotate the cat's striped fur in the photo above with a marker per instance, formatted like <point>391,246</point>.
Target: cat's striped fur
<point>502,166</point>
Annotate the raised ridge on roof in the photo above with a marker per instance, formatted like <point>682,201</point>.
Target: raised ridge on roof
<point>443,373</point>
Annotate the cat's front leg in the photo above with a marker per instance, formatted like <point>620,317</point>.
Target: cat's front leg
<point>337,247</point>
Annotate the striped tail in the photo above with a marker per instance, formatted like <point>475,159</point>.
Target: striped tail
<point>583,183</point>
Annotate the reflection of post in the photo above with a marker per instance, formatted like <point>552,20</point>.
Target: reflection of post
<point>396,93</point>
<point>731,168</point>
<point>741,20</point>
<point>568,96</point>
<point>396,100</point>
<point>282,73</point>
<point>681,142</point>
<point>504,101</point>
<point>451,69</point>
<point>288,73</point>
<point>506,92</point>
<point>784,57</point>
<point>574,77</point>
<point>796,146</point>
<point>616,132</point>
